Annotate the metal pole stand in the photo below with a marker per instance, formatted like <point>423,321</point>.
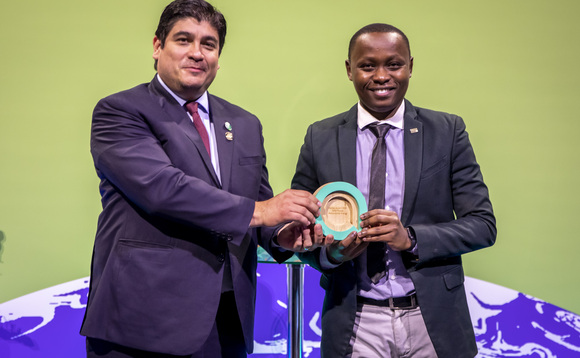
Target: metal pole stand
<point>295,306</point>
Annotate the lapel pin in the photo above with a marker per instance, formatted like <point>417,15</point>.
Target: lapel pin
<point>229,135</point>
<point>414,130</point>
<point>228,126</point>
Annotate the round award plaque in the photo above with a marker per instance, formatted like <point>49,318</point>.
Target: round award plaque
<point>342,205</point>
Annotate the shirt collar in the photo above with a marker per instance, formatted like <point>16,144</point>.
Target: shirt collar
<point>365,118</point>
<point>202,100</point>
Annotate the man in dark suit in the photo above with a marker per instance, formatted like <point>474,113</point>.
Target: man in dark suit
<point>186,201</point>
<point>433,207</point>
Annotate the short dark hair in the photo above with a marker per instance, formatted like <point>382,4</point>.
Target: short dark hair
<point>198,9</point>
<point>377,27</point>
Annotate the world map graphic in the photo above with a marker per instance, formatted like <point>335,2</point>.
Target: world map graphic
<point>507,323</point>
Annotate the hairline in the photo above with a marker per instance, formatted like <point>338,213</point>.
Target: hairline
<point>377,28</point>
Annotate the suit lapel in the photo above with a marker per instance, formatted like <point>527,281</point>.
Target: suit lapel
<point>413,143</point>
<point>218,115</point>
<point>178,114</point>
<point>347,146</point>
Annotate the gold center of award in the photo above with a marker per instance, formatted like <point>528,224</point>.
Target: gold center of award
<point>339,211</point>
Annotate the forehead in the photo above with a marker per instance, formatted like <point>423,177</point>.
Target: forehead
<point>193,26</point>
<point>380,43</point>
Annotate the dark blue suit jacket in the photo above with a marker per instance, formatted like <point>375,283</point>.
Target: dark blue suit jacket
<point>167,223</point>
<point>446,203</point>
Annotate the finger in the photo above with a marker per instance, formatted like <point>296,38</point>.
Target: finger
<point>358,240</point>
<point>303,194</point>
<point>305,209</point>
<point>297,244</point>
<point>301,215</point>
<point>302,205</point>
<point>311,213</point>
<point>375,212</point>
<point>329,239</point>
<point>377,234</point>
<point>312,205</point>
<point>374,220</point>
<point>306,239</point>
<point>368,214</point>
<point>319,239</point>
<point>349,239</point>
<point>306,200</point>
<point>379,217</point>
<point>366,235</point>
<point>299,196</point>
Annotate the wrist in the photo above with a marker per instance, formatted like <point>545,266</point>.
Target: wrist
<point>331,259</point>
<point>256,215</point>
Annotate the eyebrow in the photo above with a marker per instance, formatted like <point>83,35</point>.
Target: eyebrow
<point>189,34</point>
<point>390,58</point>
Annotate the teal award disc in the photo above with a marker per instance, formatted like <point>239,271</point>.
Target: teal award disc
<point>342,205</point>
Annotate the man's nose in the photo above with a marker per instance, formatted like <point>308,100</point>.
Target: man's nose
<point>195,52</point>
<point>382,75</point>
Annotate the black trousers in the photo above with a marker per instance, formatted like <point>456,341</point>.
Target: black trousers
<point>226,339</point>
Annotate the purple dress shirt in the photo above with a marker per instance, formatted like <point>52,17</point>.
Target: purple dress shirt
<point>397,282</point>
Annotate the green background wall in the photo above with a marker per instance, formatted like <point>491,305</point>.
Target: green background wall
<point>508,68</point>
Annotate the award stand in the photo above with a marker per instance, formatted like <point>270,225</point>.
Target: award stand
<point>295,307</point>
<point>295,283</point>
<point>342,204</point>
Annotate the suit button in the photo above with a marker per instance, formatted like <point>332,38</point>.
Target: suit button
<point>221,257</point>
<point>229,238</point>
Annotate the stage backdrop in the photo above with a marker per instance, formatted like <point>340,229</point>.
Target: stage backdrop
<point>507,324</point>
<point>507,67</point>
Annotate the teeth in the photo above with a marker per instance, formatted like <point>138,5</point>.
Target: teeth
<point>381,91</point>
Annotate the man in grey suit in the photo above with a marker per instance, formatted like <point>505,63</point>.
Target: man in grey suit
<point>433,207</point>
<point>186,201</point>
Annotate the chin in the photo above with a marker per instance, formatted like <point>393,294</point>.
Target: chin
<point>384,108</point>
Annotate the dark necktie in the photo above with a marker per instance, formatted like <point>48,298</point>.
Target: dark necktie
<point>192,109</point>
<point>376,264</point>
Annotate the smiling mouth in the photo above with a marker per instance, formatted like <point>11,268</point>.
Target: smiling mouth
<point>195,69</point>
<point>382,91</point>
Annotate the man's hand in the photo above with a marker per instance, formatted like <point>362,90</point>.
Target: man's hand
<point>290,205</point>
<point>298,238</point>
<point>347,249</point>
<point>384,225</point>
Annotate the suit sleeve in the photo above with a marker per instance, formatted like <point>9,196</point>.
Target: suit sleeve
<point>266,234</point>
<point>305,176</point>
<point>305,179</point>
<point>473,226</point>
<point>130,157</point>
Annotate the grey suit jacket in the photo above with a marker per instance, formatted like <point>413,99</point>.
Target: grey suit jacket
<point>446,203</point>
<point>168,223</point>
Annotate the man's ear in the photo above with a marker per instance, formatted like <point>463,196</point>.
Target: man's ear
<point>348,70</point>
<point>156,47</point>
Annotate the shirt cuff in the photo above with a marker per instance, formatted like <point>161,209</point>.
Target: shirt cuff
<point>413,249</point>
<point>325,263</point>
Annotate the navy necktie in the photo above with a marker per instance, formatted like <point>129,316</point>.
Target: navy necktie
<point>376,251</point>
